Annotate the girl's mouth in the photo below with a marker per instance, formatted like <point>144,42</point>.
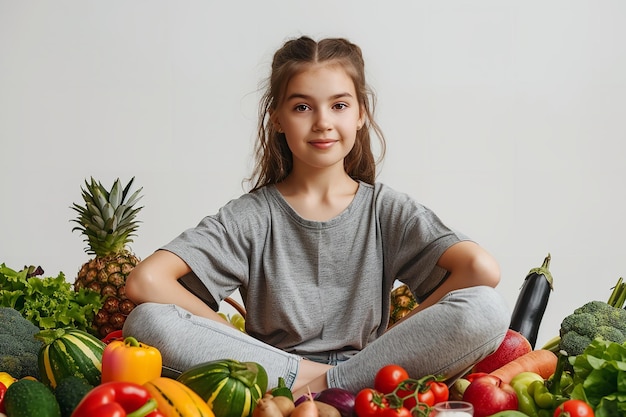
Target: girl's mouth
<point>322,144</point>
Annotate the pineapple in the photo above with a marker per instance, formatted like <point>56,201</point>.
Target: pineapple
<point>107,222</point>
<point>402,302</point>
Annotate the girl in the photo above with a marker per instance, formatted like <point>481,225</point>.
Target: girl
<point>315,249</point>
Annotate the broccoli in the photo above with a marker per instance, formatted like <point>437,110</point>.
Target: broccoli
<point>18,347</point>
<point>596,319</point>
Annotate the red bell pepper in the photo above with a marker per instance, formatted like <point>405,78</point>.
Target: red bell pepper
<point>114,335</point>
<point>3,390</point>
<point>118,399</point>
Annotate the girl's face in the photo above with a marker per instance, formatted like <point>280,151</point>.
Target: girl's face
<point>319,116</point>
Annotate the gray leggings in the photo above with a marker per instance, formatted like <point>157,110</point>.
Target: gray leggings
<point>444,339</point>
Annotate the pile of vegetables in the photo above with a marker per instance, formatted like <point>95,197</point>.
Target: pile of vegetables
<point>82,376</point>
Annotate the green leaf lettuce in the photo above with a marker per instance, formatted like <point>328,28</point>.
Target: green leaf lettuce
<point>48,302</point>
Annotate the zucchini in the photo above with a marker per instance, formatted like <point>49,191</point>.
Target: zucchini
<point>30,398</point>
<point>532,302</point>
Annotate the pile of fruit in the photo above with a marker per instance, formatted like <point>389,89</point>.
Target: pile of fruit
<point>62,354</point>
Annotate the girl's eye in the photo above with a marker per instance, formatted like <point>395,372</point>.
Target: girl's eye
<point>301,108</point>
<point>340,106</point>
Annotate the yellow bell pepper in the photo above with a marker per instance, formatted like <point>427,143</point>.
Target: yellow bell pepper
<point>6,379</point>
<point>130,361</point>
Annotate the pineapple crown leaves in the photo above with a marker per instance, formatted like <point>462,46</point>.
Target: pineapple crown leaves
<point>107,219</point>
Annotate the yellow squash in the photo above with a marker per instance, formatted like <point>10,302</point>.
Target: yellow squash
<point>176,399</point>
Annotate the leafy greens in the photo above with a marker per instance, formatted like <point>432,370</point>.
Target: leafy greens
<point>48,302</point>
<point>600,377</point>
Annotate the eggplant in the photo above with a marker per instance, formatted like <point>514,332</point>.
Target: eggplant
<point>532,302</point>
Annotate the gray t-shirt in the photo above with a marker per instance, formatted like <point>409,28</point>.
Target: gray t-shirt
<point>311,286</point>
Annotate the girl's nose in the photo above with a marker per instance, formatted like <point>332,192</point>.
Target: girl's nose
<point>322,121</point>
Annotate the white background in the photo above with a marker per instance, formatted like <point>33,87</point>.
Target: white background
<point>506,118</point>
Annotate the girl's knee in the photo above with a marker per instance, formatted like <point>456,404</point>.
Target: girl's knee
<point>481,313</point>
<point>147,318</point>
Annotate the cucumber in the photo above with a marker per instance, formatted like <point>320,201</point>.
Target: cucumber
<point>30,398</point>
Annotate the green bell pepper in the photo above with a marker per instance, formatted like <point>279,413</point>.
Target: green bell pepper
<point>526,402</point>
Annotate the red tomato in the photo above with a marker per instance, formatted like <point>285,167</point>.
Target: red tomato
<point>369,403</point>
<point>440,390</point>
<point>575,408</point>
<point>396,412</point>
<point>411,396</point>
<point>388,377</point>
<point>426,397</point>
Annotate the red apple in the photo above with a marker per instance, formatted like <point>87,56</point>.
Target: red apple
<point>513,346</point>
<point>489,395</point>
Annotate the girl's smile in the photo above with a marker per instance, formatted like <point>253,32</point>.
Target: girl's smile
<point>320,116</point>
<point>323,144</point>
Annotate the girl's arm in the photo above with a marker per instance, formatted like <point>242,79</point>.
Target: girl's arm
<point>468,265</point>
<point>155,279</point>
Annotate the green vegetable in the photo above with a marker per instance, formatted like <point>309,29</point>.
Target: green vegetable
<point>595,319</point>
<point>521,383</point>
<point>49,302</point>
<point>68,352</point>
<point>560,384</point>
<point>29,398</point>
<point>18,346</point>
<point>231,388</point>
<point>541,395</point>
<point>599,377</point>
<point>69,392</point>
<point>282,390</point>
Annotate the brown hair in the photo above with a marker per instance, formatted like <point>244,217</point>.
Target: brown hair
<point>274,160</point>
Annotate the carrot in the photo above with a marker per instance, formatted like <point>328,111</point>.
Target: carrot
<point>540,361</point>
